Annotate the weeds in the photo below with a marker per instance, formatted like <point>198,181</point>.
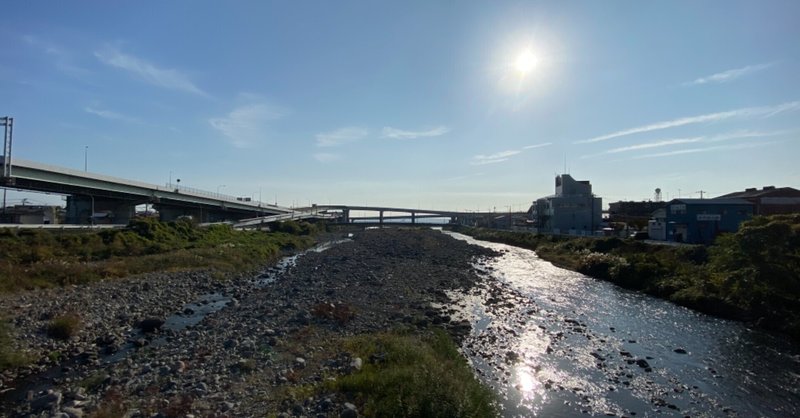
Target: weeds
<point>9,358</point>
<point>414,376</point>
<point>64,327</point>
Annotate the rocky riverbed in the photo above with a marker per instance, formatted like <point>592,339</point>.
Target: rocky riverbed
<point>140,350</point>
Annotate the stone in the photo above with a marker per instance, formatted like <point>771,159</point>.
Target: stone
<point>50,400</point>
<point>73,412</point>
<point>300,362</point>
<point>151,324</point>
<point>356,364</point>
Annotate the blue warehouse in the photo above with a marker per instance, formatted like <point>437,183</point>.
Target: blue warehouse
<point>699,221</point>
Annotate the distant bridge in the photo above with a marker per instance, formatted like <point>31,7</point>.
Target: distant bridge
<point>342,214</point>
<point>90,193</point>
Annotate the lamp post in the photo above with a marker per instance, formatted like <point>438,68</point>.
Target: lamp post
<point>218,187</point>
<point>86,158</point>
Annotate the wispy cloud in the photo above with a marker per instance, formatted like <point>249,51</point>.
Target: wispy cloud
<point>706,149</point>
<point>655,144</point>
<point>745,134</point>
<point>389,132</point>
<point>246,125</point>
<point>341,136</point>
<point>163,77</point>
<point>730,75</point>
<point>64,60</point>
<point>763,111</point>
<point>495,158</point>
<point>537,145</point>
<point>501,156</point>
<point>325,157</point>
<point>676,141</point>
<point>108,114</point>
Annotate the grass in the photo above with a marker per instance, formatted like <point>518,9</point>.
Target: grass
<point>414,376</point>
<point>43,258</point>
<point>9,358</point>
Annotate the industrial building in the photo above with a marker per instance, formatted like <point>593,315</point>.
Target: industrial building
<point>699,221</point>
<point>770,200</point>
<point>573,209</point>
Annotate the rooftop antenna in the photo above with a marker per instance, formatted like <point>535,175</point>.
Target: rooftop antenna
<point>701,193</point>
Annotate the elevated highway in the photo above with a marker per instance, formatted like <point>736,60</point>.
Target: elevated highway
<point>89,194</point>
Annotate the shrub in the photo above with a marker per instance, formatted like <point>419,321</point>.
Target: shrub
<point>64,327</point>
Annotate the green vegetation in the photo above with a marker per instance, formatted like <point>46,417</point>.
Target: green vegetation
<point>44,258</point>
<point>9,358</point>
<point>414,376</point>
<point>64,327</point>
<point>753,274</point>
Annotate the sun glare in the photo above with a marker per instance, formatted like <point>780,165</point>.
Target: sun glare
<point>525,62</point>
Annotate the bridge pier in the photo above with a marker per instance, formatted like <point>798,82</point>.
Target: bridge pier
<point>413,218</point>
<point>346,216</point>
<point>81,208</point>
<point>381,216</point>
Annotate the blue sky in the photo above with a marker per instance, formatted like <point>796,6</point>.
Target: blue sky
<point>451,105</point>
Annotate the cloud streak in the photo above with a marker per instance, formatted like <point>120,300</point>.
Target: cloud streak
<point>162,77</point>
<point>730,75</point>
<point>705,149</point>
<point>62,58</point>
<point>394,133</point>
<point>501,156</point>
<point>246,125</point>
<point>495,158</point>
<point>763,111</point>
<point>341,136</point>
<point>108,114</point>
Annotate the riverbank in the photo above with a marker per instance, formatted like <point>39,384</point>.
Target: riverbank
<point>752,275</point>
<point>350,330</point>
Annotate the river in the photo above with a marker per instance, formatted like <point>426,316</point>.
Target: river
<point>553,342</point>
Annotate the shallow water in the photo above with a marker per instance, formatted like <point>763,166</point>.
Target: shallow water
<point>557,343</point>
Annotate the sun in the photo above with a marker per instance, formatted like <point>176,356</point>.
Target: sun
<point>526,62</point>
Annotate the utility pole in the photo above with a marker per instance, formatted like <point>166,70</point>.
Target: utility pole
<point>8,124</point>
<point>701,193</point>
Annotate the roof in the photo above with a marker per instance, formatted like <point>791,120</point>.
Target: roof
<point>766,191</point>
<point>717,201</point>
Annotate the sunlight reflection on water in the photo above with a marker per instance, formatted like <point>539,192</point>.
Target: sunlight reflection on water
<point>555,343</point>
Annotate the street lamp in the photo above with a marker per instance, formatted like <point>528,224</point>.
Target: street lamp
<point>220,186</point>
<point>86,158</point>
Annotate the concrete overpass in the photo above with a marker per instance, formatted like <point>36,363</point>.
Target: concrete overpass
<point>89,194</point>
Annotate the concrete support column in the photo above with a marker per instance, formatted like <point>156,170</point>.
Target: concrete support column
<point>413,217</point>
<point>381,217</point>
<point>346,216</point>
<point>80,209</point>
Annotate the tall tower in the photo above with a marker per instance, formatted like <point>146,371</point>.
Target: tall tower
<point>657,196</point>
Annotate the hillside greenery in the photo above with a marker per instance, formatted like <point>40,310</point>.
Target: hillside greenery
<point>752,275</point>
